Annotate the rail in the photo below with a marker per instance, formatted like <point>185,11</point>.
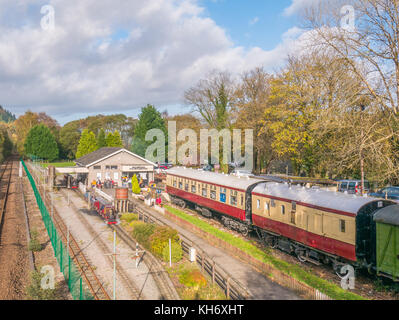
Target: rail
<point>4,203</point>
<point>74,252</point>
<point>160,276</point>
<point>232,288</point>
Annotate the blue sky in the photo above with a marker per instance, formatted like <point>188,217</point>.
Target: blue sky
<point>251,23</point>
<point>116,56</point>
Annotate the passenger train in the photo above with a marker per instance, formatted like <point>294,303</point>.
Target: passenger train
<point>316,225</point>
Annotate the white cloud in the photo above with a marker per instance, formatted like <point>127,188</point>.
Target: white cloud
<point>114,55</point>
<point>254,21</point>
<point>298,5</point>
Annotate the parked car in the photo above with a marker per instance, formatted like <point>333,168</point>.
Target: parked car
<point>241,173</point>
<point>207,167</point>
<point>167,165</point>
<point>353,186</point>
<point>387,193</point>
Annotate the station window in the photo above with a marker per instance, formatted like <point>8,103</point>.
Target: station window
<point>107,167</point>
<point>282,209</point>
<point>97,167</point>
<point>114,167</point>
<point>342,226</point>
<point>213,194</point>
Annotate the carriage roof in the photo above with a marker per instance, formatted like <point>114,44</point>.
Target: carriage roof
<point>221,179</point>
<point>388,215</point>
<point>316,197</point>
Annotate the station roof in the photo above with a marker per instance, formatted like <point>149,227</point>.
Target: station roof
<point>241,183</point>
<point>315,197</point>
<point>103,153</point>
<point>388,215</point>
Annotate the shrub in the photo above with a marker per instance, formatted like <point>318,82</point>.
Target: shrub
<point>135,185</point>
<point>142,233</point>
<point>192,278</point>
<point>177,252</point>
<point>160,239</point>
<point>34,244</point>
<point>129,217</point>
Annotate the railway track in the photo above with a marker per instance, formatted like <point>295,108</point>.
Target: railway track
<point>363,283</point>
<point>135,292</point>
<point>84,266</point>
<point>160,276</point>
<point>5,190</point>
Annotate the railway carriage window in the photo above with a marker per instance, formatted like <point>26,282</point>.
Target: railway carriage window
<point>186,187</point>
<point>273,203</point>
<point>293,203</point>
<point>267,208</point>
<point>282,209</point>
<point>293,214</point>
<point>180,185</point>
<point>242,200</point>
<point>174,183</point>
<point>213,194</point>
<point>193,188</point>
<point>233,200</point>
<point>342,225</point>
<point>204,192</point>
<point>258,204</point>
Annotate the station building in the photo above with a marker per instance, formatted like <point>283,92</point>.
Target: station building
<point>112,163</point>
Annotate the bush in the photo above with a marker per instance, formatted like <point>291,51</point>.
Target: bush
<point>135,185</point>
<point>34,244</point>
<point>192,278</point>
<point>129,217</point>
<point>160,239</point>
<point>142,233</point>
<point>177,252</point>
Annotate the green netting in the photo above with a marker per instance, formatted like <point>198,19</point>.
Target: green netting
<point>67,266</point>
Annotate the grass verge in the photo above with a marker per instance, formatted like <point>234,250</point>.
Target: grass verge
<point>295,271</point>
<point>58,164</point>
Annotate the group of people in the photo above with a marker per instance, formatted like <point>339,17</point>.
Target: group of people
<point>109,183</point>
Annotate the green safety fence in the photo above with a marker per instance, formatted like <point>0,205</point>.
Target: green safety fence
<point>68,268</point>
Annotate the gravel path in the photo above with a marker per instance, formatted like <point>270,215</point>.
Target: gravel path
<point>14,263</point>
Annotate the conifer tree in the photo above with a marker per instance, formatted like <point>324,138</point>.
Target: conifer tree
<point>41,143</point>
<point>135,185</point>
<point>101,142</point>
<point>87,144</point>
